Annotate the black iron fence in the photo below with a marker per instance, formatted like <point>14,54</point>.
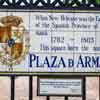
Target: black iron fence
<point>32,4</point>
<point>31,86</point>
<point>30,79</point>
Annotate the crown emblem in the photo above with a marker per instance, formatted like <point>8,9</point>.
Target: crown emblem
<point>14,40</point>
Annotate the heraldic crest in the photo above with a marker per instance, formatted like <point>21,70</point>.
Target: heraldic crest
<point>14,40</point>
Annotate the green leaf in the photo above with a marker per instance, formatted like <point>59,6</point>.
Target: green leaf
<point>98,1</point>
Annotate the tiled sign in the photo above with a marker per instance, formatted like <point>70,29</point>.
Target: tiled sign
<point>50,41</point>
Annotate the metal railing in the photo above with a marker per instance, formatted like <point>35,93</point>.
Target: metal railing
<point>32,4</point>
<point>47,97</point>
<point>31,89</point>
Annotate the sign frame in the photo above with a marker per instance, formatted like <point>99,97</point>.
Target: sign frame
<point>11,72</point>
<point>61,77</point>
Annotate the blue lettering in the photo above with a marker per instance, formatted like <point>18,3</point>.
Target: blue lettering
<point>80,61</point>
<point>61,62</point>
<point>32,58</point>
<point>87,61</point>
<point>46,62</point>
<point>54,58</point>
<point>70,62</point>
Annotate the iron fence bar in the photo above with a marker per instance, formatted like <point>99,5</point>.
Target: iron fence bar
<point>66,97</point>
<point>48,98</point>
<point>84,88</point>
<point>12,87</point>
<point>30,87</point>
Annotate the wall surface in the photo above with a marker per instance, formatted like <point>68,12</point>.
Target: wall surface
<point>22,89</point>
